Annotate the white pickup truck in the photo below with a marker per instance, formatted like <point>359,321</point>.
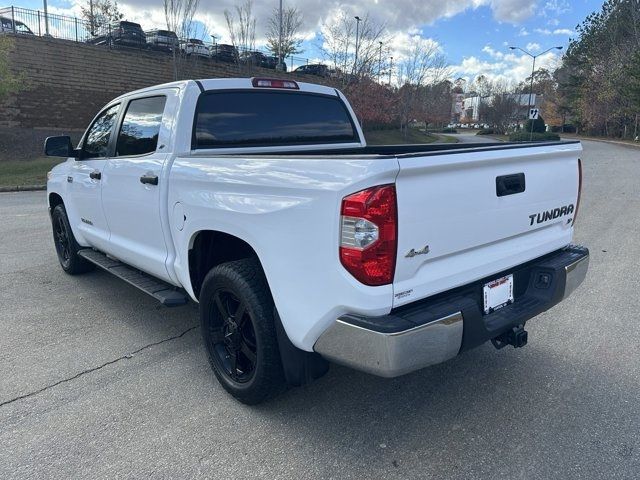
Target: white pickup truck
<point>259,199</point>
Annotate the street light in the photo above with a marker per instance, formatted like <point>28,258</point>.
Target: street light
<point>533,69</point>
<point>46,19</point>
<point>355,61</point>
<point>279,66</point>
<point>380,62</point>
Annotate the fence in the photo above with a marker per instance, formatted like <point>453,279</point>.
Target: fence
<point>20,20</point>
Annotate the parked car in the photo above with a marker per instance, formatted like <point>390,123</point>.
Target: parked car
<point>224,53</point>
<point>271,62</point>
<point>10,26</point>
<point>123,33</point>
<point>318,69</point>
<point>194,46</point>
<point>253,58</point>
<point>260,200</point>
<point>162,40</point>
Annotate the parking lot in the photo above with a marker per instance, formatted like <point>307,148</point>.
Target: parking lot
<point>100,381</point>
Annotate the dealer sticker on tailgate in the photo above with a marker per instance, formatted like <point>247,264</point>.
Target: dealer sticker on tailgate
<point>498,293</point>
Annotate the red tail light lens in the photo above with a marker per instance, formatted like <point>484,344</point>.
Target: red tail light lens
<point>575,214</point>
<point>369,233</point>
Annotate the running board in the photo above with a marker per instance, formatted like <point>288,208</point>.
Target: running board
<point>166,294</point>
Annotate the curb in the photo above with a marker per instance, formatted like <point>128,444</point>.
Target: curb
<point>603,140</point>
<point>23,188</point>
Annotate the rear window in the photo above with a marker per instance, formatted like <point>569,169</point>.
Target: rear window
<point>270,118</point>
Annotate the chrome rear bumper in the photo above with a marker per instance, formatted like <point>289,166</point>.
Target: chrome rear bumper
<point>428,332</point>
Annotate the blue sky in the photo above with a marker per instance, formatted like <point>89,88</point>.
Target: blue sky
<point>473,34</point>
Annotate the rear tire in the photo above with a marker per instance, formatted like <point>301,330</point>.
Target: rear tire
<point>66,245</point>
<point>238,328</point>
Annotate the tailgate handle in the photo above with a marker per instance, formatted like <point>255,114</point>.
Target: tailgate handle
<point>510,184</point>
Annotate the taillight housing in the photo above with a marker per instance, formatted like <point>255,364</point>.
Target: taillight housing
<point>575,214</point>
<point>369,234</point>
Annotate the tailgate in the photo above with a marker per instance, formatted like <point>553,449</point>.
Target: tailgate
<point>462,215</point>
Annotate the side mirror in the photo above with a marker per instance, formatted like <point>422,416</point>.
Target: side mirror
<point>59,147</point>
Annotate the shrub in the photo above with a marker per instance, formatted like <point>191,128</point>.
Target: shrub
<point>486,131</point>
<point>538,125</point>
<point>448,130</point>
<point>536,136</point>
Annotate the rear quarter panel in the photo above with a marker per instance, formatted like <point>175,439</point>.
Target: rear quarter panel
<point>288,210</point>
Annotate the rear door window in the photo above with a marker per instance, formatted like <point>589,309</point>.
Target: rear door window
<point>141,126</point>
<point>270,118</point>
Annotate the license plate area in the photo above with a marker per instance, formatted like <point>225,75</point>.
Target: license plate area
<point>497,294</point>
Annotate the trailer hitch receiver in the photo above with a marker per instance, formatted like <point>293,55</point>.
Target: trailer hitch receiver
<point>517,337</point>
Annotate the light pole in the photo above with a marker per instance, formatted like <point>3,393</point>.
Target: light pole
<point>46,19</point>
<point>533,70</point>
<point>280,38</point>
<point>380,62</point>
<point>355,61</point>
<point>390,69</point>
<point>213,44</point>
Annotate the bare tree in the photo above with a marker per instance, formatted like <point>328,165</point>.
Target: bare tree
<point>179,16</point>
<point>100,13</point>
<point>339,45</point>
<point>422,68</point>
<point>242,26</point>
<point>291,23</point>
<point>500,108</point>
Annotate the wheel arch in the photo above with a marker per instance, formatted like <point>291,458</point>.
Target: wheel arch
<point>209,248</point>
<point>54,200</point>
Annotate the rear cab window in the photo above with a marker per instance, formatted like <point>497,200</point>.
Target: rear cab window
<point>248,118</point>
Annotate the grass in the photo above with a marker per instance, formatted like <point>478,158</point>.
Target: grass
<point>26,172</point>
<point>396,137</point>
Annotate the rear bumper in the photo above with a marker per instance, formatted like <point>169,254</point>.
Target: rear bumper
<point>436,329</point>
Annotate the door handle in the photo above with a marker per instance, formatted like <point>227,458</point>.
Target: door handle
<point>149,179</point>
<point>96,175</point>
<point>510,184</point>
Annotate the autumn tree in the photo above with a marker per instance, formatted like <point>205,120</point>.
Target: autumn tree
<point>598,67</point>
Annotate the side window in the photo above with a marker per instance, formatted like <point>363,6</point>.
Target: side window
<point>96,143</point>
<point>141,126</point>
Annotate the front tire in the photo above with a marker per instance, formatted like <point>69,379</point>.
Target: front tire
<point>66,245</point>
<point>238,328</point>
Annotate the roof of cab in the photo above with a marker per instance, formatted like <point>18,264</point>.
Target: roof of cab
<point>227,84</point>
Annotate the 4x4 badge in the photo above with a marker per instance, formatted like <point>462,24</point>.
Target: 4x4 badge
<point>413,252</point>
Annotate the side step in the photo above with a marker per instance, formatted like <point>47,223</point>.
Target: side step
<point>163,292</point>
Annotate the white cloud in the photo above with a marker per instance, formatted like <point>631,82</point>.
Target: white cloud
<point>509,67</point>
<point>399,16</point>
<point>493,53</point>
<point>533,47</point>
<point>523,32</point>
<point>564,31</point>
<point>557,31</point>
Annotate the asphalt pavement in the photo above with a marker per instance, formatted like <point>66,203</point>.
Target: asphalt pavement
<point>98,381</point>
<point>465,137</point>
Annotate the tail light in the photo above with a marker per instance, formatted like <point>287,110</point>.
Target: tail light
<point>368,235</point>
<point>575,214</point>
